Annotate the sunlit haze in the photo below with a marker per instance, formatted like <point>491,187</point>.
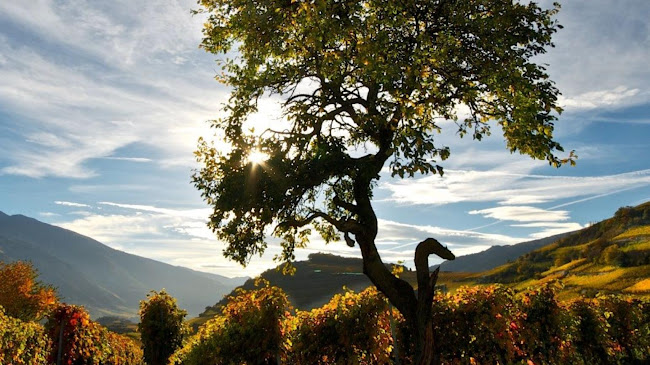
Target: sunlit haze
<point>257,157</point>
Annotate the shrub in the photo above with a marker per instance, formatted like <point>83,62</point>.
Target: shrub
<point>591,340</point>
<point>22,343</point>
<point>351,328</point>
<point>161,327</point>
<point>250,330</point>
<point>84,342</point>
<point>477,324</point>
<point>627,328</point>
<point>546,328</point>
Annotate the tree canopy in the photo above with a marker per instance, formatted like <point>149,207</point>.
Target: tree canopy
<point>364,84</point>
<point>22,295</point>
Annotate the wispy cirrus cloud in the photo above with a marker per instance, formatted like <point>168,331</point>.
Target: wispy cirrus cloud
<point>200,214</point>
<point>507,188</point>
<point>129,159</point>
<point>523,214</point>
<point>618,97</point>
<point>550,228</point>
<point>93,84</point>
<point>71,204</point>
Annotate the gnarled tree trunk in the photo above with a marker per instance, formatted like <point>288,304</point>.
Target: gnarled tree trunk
<point>424,341</point>
<point>415,309</point>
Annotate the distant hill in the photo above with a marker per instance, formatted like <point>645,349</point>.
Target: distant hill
<point>323,275</point>
<point>106,281</point>
<point>495,255</point>
<point>314,283</point>
<point>609,257</point>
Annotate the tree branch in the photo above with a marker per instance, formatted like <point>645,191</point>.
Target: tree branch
<point>346,226</point>
<point>345,205</point>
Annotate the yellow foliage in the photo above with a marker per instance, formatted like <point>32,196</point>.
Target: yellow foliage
<point>595,281</point>
<point>640,287</point>
<point>22,295</point>
<point>634,232</point>
<point>637,246</point>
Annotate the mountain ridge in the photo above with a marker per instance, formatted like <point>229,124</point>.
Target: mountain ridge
<point>496,255</point>
<point>106,280</point>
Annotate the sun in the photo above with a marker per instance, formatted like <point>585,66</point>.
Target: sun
<point>257,157</point>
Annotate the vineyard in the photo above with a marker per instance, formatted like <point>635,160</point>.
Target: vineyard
<point>474,325</point>
<point>68,336</point>
<point>479,325</point>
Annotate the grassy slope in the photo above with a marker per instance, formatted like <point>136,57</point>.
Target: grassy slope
<point>612,256</point>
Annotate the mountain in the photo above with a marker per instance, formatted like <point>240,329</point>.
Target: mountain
<point>609,257</point>
<point>106,281</point>
<point>495,256</point>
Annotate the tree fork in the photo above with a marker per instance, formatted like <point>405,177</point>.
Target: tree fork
<point>424,336</point>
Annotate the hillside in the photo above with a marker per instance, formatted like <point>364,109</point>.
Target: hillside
<point>106,281</point>
<point>314,283</point>
<point>612,256</point>
<point>323,275</point>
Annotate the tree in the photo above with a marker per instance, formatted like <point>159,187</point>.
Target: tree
<point>364,84</point>
<point>161,327</point>
<point>22,295</point>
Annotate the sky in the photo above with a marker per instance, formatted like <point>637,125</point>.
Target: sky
<point>102,104</point>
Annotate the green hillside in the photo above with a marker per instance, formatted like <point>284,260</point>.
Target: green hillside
<point>612,256</point>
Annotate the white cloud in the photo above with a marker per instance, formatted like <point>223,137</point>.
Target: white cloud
<point>198,214</point>
<point>551,229</point>
<point>618,97</point>
<point>507,188</point>
<point>111,84</point>
<point>114,228</point>
<point>48,214</point>
<point>129,159</point>
<point>71,204</point>
<point>523,214</point>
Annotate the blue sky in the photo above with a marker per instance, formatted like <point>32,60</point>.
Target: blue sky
<point>101,105</point>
